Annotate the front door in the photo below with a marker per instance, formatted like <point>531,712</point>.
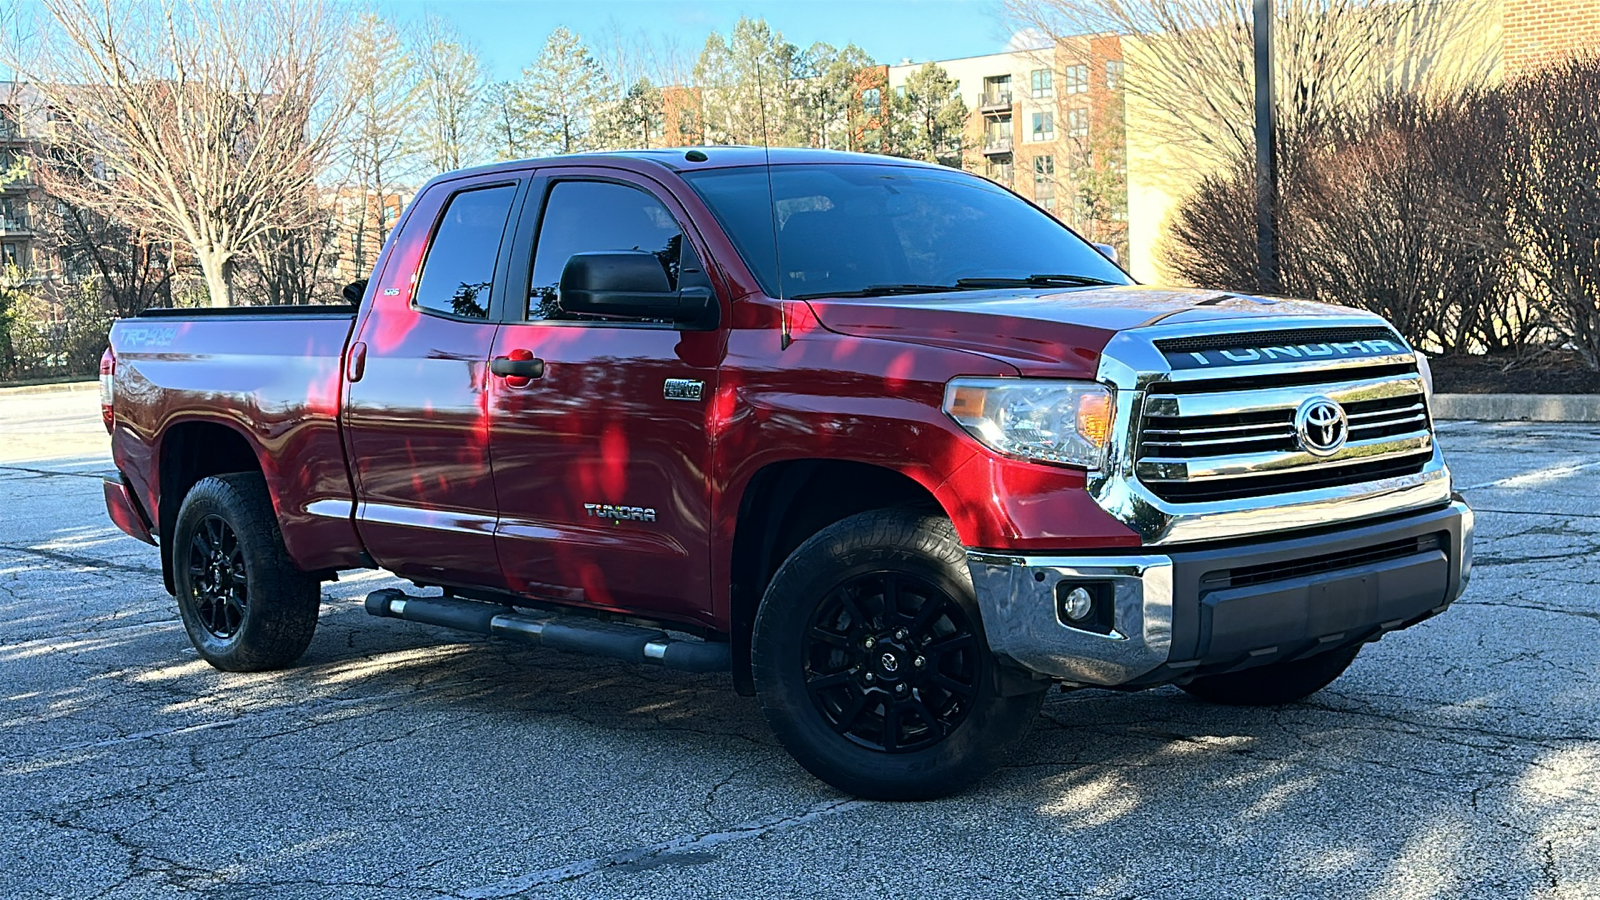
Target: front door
<point>416,420</point>
<point>600,463</point>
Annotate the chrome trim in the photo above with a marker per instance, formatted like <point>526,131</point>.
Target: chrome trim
<point>656,650</point>
<point>1227,403</point>
<point>519,625</point>
<point>397,607</point>
<point>1133,365</point>
<point>1241,465</point>
<point>1019,614</point>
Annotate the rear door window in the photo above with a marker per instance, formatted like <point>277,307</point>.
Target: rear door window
<point>458,273</point>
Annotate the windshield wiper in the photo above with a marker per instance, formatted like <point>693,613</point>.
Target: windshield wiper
<point>885,290</point>
<point>1035,281</point>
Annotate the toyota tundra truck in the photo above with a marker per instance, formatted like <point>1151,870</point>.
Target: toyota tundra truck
<point>883,441</point>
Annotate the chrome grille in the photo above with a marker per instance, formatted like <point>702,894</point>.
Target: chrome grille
<point>1205,441</point>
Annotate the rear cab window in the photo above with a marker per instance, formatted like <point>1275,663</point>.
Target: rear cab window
<point>457,277</point>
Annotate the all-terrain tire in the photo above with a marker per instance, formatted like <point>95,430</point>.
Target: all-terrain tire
<point>1274,684</point>
<point>244,603</point>
<point>868,686</point>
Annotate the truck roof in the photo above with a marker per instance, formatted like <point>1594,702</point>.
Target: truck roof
<point>678,159</point>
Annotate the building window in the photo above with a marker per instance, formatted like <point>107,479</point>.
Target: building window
<point>872,100</point>
<point>997,90</point>
<point>1044,193</point>
<point>1044,126</point>
<point>1077,124</point>
<point>1039,81</point>
<point>1044,168</point>
<point>10,255</point>
<point>1000,172</point>
<point>1075,79</point>
<point>998,134</point>
<point>1113,74</point>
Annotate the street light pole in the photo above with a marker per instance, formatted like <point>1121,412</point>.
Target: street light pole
<point>1267,275</point>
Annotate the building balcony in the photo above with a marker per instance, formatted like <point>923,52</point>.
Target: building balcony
<point>1002,175</point>
<point>994,102</point>
<point>12,226</point>
<point>996,146</point>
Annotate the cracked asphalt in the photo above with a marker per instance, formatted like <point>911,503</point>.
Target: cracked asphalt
<point>1458,759</point>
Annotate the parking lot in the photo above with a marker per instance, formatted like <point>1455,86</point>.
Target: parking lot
<point>1458,759</point>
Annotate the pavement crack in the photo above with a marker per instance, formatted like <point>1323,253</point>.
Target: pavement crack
<point>693,846</point>
<point>79,559</point>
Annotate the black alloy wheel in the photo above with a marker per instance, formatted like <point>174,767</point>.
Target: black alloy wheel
<point>217,577</point>
<point>244,603</point>
<point>891,662</point>
<point>871,664</point>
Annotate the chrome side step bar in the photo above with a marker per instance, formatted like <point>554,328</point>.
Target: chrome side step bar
<point>574,634</point>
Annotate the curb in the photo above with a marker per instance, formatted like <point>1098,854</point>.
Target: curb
<point>57,388</point>
<point>1518,407</point>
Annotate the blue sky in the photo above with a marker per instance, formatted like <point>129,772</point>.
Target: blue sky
<point>508,34</point>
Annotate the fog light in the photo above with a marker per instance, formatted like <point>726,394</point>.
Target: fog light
<point>1077,604</point>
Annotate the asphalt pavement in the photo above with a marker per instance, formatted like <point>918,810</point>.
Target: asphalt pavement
<point>1460,758</point>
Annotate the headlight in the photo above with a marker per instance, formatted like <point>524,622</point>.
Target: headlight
<point>1051,421</point>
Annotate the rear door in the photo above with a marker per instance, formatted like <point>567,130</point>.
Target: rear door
<point>416,421</point>
<point>601,463</point>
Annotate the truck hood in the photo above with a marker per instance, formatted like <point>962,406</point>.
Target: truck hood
<point>1058,333</point>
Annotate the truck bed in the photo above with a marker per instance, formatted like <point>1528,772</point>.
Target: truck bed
<point>269,375</point>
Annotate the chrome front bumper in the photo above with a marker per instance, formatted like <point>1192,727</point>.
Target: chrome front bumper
<point>1175,615</point>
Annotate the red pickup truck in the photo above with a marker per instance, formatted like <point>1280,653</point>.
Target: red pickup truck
<point>881,439</point>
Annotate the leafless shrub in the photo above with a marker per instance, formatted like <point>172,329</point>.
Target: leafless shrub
<point>1400,209</point>
<point>1555,196</point>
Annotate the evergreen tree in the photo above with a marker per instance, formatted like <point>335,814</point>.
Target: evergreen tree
<point>929,119</point>
<point>634,120</point>
<point>560,92</point>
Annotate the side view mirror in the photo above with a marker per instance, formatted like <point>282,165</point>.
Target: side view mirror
<point>631,284</point>
<point>354,291</point>
<point>1108,251</point>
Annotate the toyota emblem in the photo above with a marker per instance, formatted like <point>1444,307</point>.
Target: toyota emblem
<point>1321,426</point>
<point>890,664</point>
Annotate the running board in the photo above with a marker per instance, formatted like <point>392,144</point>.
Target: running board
<point>575,634</point>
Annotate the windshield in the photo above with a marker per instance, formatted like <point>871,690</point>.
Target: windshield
<point>864,230</point>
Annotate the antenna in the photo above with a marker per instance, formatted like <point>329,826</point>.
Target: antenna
<point>772,200</point>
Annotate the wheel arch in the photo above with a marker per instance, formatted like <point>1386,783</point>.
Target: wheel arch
<point>190,450</point>
<point>782,505</point>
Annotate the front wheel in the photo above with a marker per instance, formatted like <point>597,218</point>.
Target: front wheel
<point>871,664</point>
<point>245,604</point>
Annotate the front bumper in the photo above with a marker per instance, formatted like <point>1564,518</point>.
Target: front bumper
<point>1174,615</point>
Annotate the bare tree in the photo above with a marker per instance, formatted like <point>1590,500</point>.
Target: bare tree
<point>380,143</point>
<point>452,81</point>
<point>199,122</point>
<point>1192,63</point>
<point>506,126</point>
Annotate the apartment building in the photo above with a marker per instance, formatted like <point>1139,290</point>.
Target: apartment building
<point>18,194</point>
<point>1049,124</point>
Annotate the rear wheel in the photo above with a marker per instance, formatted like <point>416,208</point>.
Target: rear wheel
<point>244,603</point>
<point>871,664</point>
<point>1274,684</point>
